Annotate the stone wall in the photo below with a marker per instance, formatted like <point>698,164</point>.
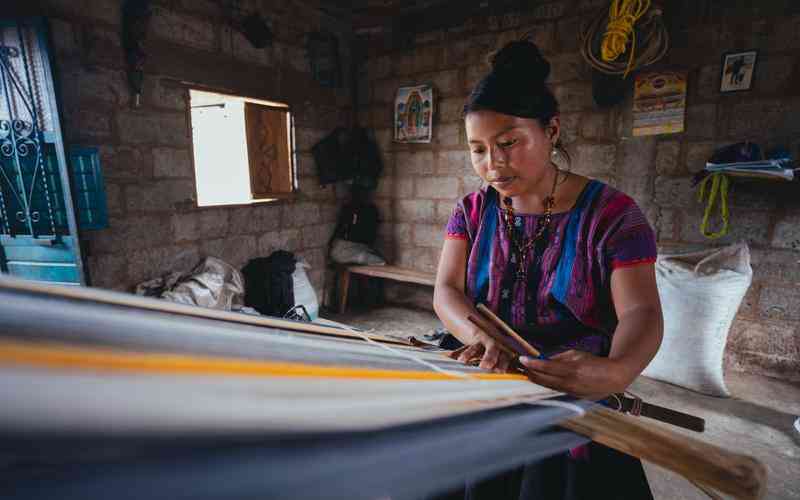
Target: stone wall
<point>155,225</point>
<point>424,180</point>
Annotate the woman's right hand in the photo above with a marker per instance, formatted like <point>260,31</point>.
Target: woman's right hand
<point>484,348</point>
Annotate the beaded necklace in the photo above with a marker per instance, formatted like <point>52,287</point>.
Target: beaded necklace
<point>522,248</point>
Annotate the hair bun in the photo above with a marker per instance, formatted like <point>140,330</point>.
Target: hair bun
<point>521,57</point>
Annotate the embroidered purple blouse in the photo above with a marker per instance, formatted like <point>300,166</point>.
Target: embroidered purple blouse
<point>565,302</point>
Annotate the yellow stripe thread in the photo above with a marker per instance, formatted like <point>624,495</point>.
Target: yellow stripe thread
<point>59,356</point>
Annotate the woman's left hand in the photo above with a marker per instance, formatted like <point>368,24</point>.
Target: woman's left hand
<point>577,373</point>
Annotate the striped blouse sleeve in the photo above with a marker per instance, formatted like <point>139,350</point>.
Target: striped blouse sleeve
<point>457,225</point>
<point>633,241</point>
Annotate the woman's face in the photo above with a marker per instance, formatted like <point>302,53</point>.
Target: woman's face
<point>511,153</point>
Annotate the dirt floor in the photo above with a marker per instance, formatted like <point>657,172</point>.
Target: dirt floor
<point>758,420</point>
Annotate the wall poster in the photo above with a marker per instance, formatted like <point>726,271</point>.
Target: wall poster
<point>659,103</point>
<point>413,114</point>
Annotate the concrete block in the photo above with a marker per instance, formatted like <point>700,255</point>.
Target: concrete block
<point>571,124</point>
<point>457,53</point>
<point>635,170</point>
<point>451,110</point>
<point>254,219</point>
<point>416,163</point>
<point>456,163</point>
<point>84,124</point>
<point>549,11</point>
<point>149,263</point>
<point>544,36</point>
<point>287,239</point>
<point>437,187</point>
<point>667,224</point>
<point>401,233</point>
<point>384,91</point>
<point>444,209</point>
<point>102,47</point>
<point>697,154</point>
<point>403,187</point>
<point>447,83</point>
<point>153,128</point>
<point>131,233</point>
<point>235,44</point>
<point>64,36</point>
<point>171,162</point>
<point>567,33</point>
<point>429,235</point>
<point>708,82</point>
<point>574,96</point>
<point>235,250</point>
<point>159,196</point>
<point>165,95</point>
<point>701,121</point>
<point>675,192</point>
<point>595,159</point>
<point>667,158</point>
<point>200,224</point>
<point>125,162</point>
<point>776,266</point>
<point>597,126</point>
<point>183,29</point>
<point>379,67</point>
<point>474,74</point>
<point>568,67</point>
<point>787,233</point>
<point>418,211</point>
<point>316,236</point>
<point>752,226</point>
<point>450,134</point>
<point>471,183</point>
<point>300,214</point>
<point>306,138</point>
<point>745,118</point>
<point>108,271</point>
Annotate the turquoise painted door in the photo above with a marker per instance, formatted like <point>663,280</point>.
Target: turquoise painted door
<point>38,227</point>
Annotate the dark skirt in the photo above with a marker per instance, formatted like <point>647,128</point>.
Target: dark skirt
<point>605,474</point>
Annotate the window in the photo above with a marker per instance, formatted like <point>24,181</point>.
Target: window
<point>243,149</point>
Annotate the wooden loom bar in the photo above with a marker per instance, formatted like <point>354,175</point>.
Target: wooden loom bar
<point>732,473</point>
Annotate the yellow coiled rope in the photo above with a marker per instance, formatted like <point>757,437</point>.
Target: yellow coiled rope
<point>622,17</point>
<point>605,37</point>
<point>719,186</point>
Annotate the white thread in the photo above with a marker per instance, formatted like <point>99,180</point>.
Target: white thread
<point>560,404</point>
<point>408,355</point>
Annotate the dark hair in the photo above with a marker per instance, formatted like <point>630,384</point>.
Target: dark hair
<point>516,84</point>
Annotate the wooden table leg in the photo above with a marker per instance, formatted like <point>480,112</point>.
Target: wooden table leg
<point>344,285</point>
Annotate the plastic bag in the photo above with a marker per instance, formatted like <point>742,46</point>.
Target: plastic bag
<point>213,283</point>
<point>304,294</point>
<point>351,252</point>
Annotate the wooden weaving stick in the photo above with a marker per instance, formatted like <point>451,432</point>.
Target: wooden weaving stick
<point>528,350</point>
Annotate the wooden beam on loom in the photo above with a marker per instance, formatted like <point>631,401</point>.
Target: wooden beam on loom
<point>738,475</point>
<point>151,304</point>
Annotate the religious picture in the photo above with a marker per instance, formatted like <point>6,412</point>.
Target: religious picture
<point>737,71</point>
<point>413,114</point>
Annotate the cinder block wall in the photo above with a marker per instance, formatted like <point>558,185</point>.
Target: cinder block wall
<point>423,181</point>
<point>146,152</point>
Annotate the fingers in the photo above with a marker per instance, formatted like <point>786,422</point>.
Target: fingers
<point>472,351</point>
<point>490,357</point>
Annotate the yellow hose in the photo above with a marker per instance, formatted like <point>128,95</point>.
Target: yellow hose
<point>622,17</point>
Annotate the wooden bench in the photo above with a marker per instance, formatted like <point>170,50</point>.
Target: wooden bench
<point>394,273</point>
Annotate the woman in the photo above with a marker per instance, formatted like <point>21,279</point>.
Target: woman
<point>566,261</point>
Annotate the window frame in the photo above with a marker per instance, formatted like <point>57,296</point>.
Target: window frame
<point>261,101</point>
